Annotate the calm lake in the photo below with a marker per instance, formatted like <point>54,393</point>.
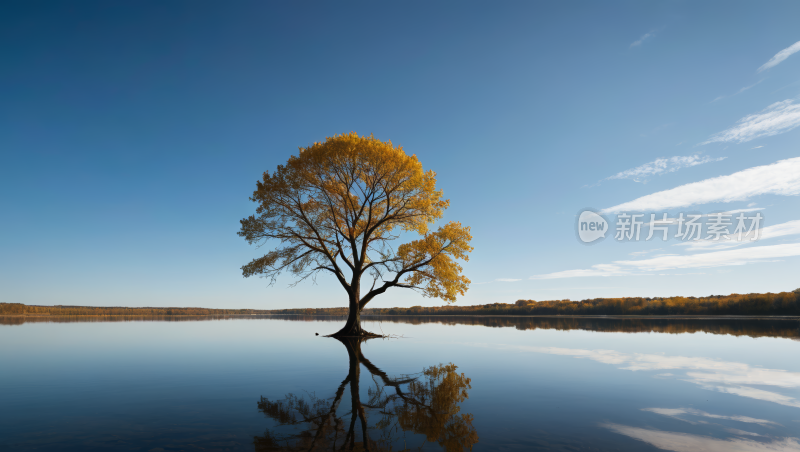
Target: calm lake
<point>447,383</point>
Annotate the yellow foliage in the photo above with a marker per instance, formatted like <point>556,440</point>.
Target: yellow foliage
<point>438,272</point>
<point>337,206</point>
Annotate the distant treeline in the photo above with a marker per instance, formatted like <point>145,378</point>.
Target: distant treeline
<point>784,303</point>
<point>22,309</point>
<point>23,319</point>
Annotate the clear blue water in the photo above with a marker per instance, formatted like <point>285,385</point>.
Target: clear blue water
<point>598,385</point>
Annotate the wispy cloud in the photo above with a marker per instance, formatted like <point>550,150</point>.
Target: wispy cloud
<point>734,211</point>
<point>784,87</point>
<point>596,270</point>
<point>500,280</point>
<point>780,56</point>
<point>644,37</point>
<point>663,165</point>
<point>642,253</point>
<point>778,118</point>
<point>722,258</point>
<point>582,288</point>
<point>716,258</point>
<point>781,229</point>
<point>768,232</point>
<point>670,221</point>
<point>738,92</point>
<point>780,178</point>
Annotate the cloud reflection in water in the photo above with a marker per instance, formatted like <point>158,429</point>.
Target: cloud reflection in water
<point>685,442</point>
<point>710,374</point>
<point>722,376</point>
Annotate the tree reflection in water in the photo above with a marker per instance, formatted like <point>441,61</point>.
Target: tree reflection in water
<point>426,404</point>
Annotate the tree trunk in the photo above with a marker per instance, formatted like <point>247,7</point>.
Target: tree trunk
<point>353,326</point>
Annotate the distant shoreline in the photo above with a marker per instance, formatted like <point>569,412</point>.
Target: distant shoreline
<point>765,305</point>
<point>615,317</point>
<point>649,317</point>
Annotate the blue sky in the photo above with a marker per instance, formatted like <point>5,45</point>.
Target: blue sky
<point>132,134</point>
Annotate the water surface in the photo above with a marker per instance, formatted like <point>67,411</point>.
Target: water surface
<point>449,383</point>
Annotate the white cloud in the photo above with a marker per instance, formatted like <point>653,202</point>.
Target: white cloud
<point>780,178</point>
<point>780,230</point>
<point>716,258</point>
<point>639,41</point>
<point>778,118</point>
<point>709,245</point>
<point>757,147</point>
<point>735,211</point>
<point>769,232</point>
<point>642,253</point>
<point>685,442</point>
<point>663,165</point>
<point>500,280</point>
<point>783,88</point>
<point>780,56</point>
<point>596,270</point>
<point>582,288</point>
<point>738,92</point>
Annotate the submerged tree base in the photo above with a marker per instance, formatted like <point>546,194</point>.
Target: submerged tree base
<point>355,333</point>
<point>352,328</point>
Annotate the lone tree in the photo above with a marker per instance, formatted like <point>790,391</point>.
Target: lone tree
<point>338,205</point>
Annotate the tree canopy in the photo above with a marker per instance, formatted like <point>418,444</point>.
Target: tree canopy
<point>337,207</point>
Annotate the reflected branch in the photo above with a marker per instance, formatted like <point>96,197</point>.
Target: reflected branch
<point>426,404</point>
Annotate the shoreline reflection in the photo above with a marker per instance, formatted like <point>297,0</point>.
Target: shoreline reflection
<point>780,327</point>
